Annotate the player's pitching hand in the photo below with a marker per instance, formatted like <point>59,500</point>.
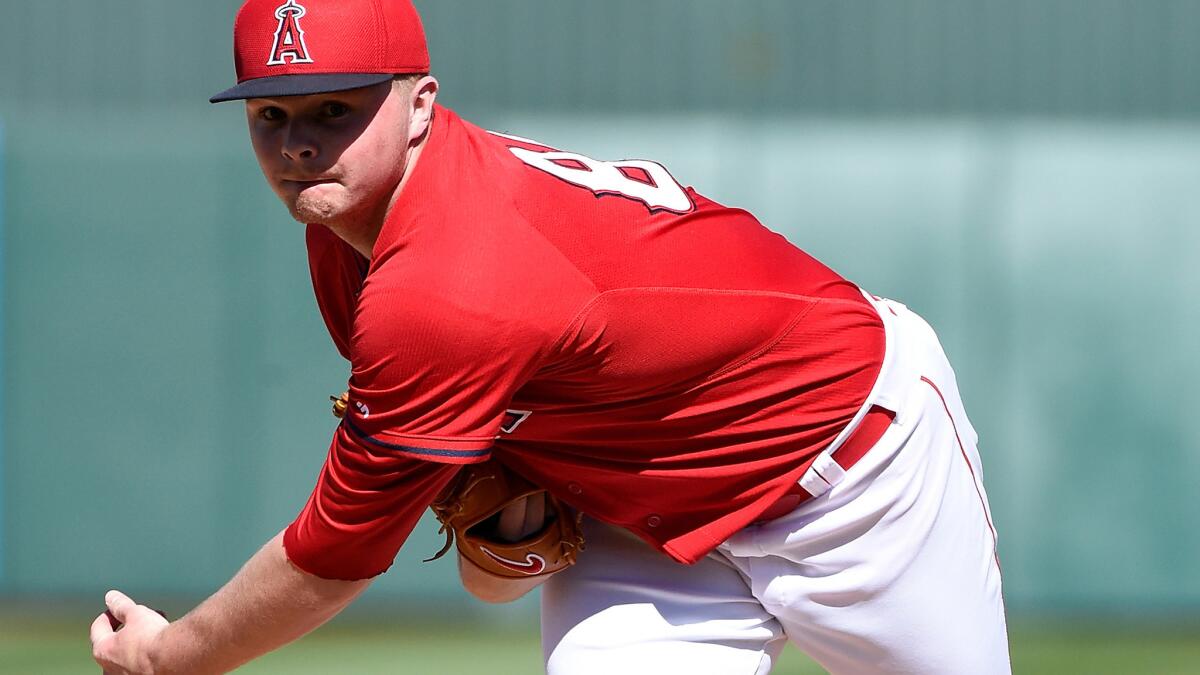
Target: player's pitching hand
<point>124,648</point>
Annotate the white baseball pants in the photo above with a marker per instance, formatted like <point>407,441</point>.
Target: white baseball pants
<point>892,570</point>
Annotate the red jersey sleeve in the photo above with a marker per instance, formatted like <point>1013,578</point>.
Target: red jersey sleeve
<point>431,379</point>
<point>366,503</point>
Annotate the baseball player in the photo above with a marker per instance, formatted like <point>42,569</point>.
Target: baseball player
<point>760,451</point>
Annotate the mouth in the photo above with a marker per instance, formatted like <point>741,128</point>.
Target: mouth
<point>303,184</point>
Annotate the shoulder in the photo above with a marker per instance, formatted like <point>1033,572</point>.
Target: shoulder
<point>476,302</point>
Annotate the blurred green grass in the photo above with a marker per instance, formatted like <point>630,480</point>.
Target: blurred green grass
<point>60,647</point>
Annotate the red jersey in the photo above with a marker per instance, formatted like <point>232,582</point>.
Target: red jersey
<point>655,359</point>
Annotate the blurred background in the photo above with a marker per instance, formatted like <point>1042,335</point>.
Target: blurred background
<point>1023,173</point>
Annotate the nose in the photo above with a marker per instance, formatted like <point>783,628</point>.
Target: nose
<point>298,144</point>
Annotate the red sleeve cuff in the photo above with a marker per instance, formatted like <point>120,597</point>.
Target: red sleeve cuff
<point>443,450</point>
<point>313,561</point>
<point>366,503</point>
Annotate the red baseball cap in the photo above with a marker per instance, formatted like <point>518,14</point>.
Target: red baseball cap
<point>298,47</point>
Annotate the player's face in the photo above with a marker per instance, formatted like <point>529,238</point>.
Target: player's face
<point>335,158</point>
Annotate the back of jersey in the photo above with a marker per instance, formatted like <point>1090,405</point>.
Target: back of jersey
<point>714,354</point>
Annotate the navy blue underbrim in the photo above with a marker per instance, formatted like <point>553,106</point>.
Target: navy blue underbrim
<point>299,85</point>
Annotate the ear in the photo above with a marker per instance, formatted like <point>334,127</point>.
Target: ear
<point>423,95</point>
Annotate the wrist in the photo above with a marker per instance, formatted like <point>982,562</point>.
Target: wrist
<point>164,654</point>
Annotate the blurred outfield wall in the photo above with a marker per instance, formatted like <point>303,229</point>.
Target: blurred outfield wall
<point>1090,58</point>
<point>166,371</point>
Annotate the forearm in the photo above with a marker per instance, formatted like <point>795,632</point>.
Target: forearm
<point>267,604</point>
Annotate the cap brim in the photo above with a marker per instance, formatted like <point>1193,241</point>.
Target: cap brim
<point>299,85</point>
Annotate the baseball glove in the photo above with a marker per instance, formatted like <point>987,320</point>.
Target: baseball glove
<point>469,510</point>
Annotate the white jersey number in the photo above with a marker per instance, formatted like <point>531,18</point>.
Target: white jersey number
<point>643,180</point>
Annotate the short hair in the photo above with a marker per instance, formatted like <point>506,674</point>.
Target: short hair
<point>407,80</point>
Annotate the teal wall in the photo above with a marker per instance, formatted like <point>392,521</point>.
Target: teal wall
<point>168,372</point>
<point>3,316</point>
<point>1022,174</point>
<point>1092,58</point>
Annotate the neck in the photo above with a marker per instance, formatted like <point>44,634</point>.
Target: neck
<point>361,232</point>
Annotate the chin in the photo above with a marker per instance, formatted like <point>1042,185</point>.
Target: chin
<point>314,204</point>
<point>315,210</point>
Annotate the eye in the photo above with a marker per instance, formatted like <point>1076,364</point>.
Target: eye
<point>271,114</point>
<point>335,110</point>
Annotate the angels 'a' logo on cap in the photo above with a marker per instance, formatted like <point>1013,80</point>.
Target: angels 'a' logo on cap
<point>289,42</point>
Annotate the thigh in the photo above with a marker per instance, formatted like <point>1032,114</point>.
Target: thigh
<point>894,570</point>
<point>626,608</point>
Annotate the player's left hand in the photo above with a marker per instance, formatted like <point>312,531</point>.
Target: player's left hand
<point>124,648</point>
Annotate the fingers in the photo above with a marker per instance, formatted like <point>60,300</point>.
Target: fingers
<point>101,628</point>
<point>535,514</point>
<point>512,521</point>
<point>522,518</point>
<point>119,604</point>
<point>106,625</point>
<point>123,623</point>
